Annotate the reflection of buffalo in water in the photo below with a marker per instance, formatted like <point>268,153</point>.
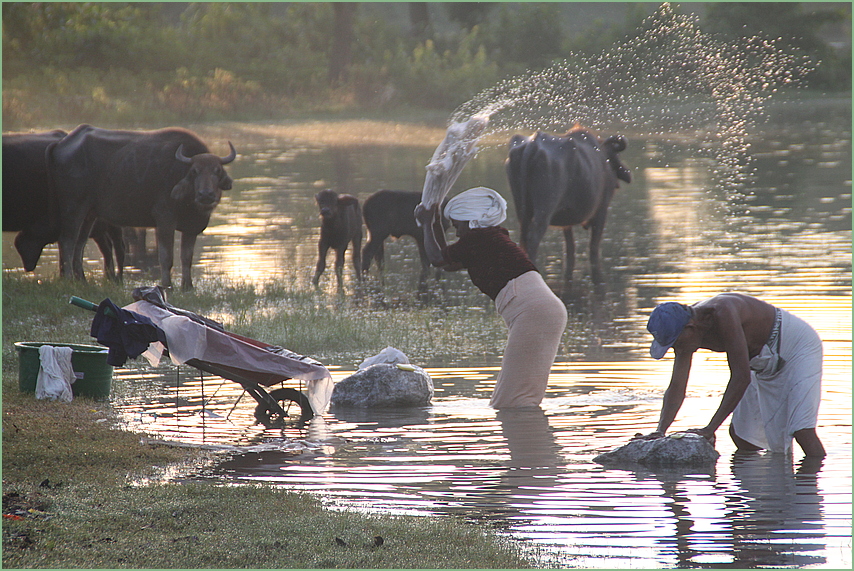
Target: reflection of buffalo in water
<point>164,179</point>
<point>30,209</point>
<point>564,181</point>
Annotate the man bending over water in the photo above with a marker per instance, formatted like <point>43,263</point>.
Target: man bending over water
<point>775,370</point>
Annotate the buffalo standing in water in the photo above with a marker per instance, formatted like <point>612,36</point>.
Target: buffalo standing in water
<point>564,181</point>
<point>165,179</point>
<point>340,225</point>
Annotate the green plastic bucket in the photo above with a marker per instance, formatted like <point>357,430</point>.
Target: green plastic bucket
<point>94,375</point>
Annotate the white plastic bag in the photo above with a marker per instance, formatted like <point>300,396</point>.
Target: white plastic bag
<point>55,374</point>
<point>387,355</point>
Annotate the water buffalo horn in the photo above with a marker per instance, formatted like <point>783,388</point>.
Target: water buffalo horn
<point>231,156</point>
<point>179,154</point>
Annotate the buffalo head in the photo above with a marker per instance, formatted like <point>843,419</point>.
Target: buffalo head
<point>327,202</point>
<point>613,145</point>
<point>30,249</point>
<point>205,180</point>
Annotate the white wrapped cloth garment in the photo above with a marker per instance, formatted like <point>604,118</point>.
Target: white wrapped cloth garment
<point>481,206</point>
<point>785,387</point>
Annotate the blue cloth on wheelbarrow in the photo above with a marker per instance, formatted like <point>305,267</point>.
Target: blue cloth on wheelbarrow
<point>126,334</point>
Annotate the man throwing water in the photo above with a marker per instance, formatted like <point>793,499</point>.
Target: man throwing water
<point>775,362</point>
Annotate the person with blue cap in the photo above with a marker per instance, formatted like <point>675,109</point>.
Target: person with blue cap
<point>534,315</point>
<point>775,362</point>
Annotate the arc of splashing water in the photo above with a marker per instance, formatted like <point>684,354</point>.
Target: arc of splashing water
<point>452,154</point>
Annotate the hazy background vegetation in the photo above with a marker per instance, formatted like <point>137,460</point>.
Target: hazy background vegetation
<point>120,63</point>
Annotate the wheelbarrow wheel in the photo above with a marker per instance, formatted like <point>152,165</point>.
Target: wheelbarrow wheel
<point>293,403</point>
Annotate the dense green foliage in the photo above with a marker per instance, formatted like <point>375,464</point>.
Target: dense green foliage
<point>132,63</point>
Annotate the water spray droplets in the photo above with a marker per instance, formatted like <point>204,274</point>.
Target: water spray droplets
<point>670,81</point>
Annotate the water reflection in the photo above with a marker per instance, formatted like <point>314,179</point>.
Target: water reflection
<point>671,235</point>
<point>530,471</point>
<point>774,504</point>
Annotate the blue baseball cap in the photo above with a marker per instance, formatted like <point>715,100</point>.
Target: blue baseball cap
<point>666,323</point>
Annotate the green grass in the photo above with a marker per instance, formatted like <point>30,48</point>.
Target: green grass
<point>207,526</point>
<point>335,329</point>
<point>92,495</point>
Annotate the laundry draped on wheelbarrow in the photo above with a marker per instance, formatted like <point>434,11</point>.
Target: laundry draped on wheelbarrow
<point>126,334</point>
<point>188,339</point>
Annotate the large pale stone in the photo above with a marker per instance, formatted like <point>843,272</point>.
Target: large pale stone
<point>685,449</point>
<point>384,386</point>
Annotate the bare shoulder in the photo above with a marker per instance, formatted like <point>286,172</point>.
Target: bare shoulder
<point>744,305</point>
<point>755,316</point>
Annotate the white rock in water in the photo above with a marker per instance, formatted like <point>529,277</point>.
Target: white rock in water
<point>681,449</point>
<point>384,386</point>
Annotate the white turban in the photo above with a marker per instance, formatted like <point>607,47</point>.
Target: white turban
<point>481,206</point>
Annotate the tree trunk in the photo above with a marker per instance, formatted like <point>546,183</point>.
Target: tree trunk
<point>342,40</point>
<point>419,20</point>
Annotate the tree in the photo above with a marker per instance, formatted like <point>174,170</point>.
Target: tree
<point>468,14</point>
<point>342,40</point>
<point>786,20</point>
<point>796,26</point>
<point>530,34</point>
<point>419,20</point>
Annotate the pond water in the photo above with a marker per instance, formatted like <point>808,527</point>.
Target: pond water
<point>672,234</point>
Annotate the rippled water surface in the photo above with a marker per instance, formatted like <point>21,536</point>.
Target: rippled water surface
<point>672,234</point>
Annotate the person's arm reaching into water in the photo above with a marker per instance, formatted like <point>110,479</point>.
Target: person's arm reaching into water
<point>728,330</point>
<point>674,396</point>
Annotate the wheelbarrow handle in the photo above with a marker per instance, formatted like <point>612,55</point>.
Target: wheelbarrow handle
<point>86,304</point>
<point>80,302</point>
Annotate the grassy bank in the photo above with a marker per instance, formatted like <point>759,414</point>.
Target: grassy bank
<point>82,493</point>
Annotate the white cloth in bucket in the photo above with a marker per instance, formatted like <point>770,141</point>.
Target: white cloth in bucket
<point>481,206</point>
<point>55,373</point>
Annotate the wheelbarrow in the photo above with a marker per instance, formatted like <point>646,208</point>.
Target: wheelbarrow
<point>194,340</point>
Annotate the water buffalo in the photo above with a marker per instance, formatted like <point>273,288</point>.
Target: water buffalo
<point>340,224</point>
<point>30,209</point>
<point>164,179</point>
<point>564,181</point>
<point>391,213</point>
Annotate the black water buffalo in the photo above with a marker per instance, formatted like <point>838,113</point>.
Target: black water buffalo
<point>30,209</point>
<point>391,213</point>
<point>340,224</point>
<point>564,181</point>
<point>164,179</point>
